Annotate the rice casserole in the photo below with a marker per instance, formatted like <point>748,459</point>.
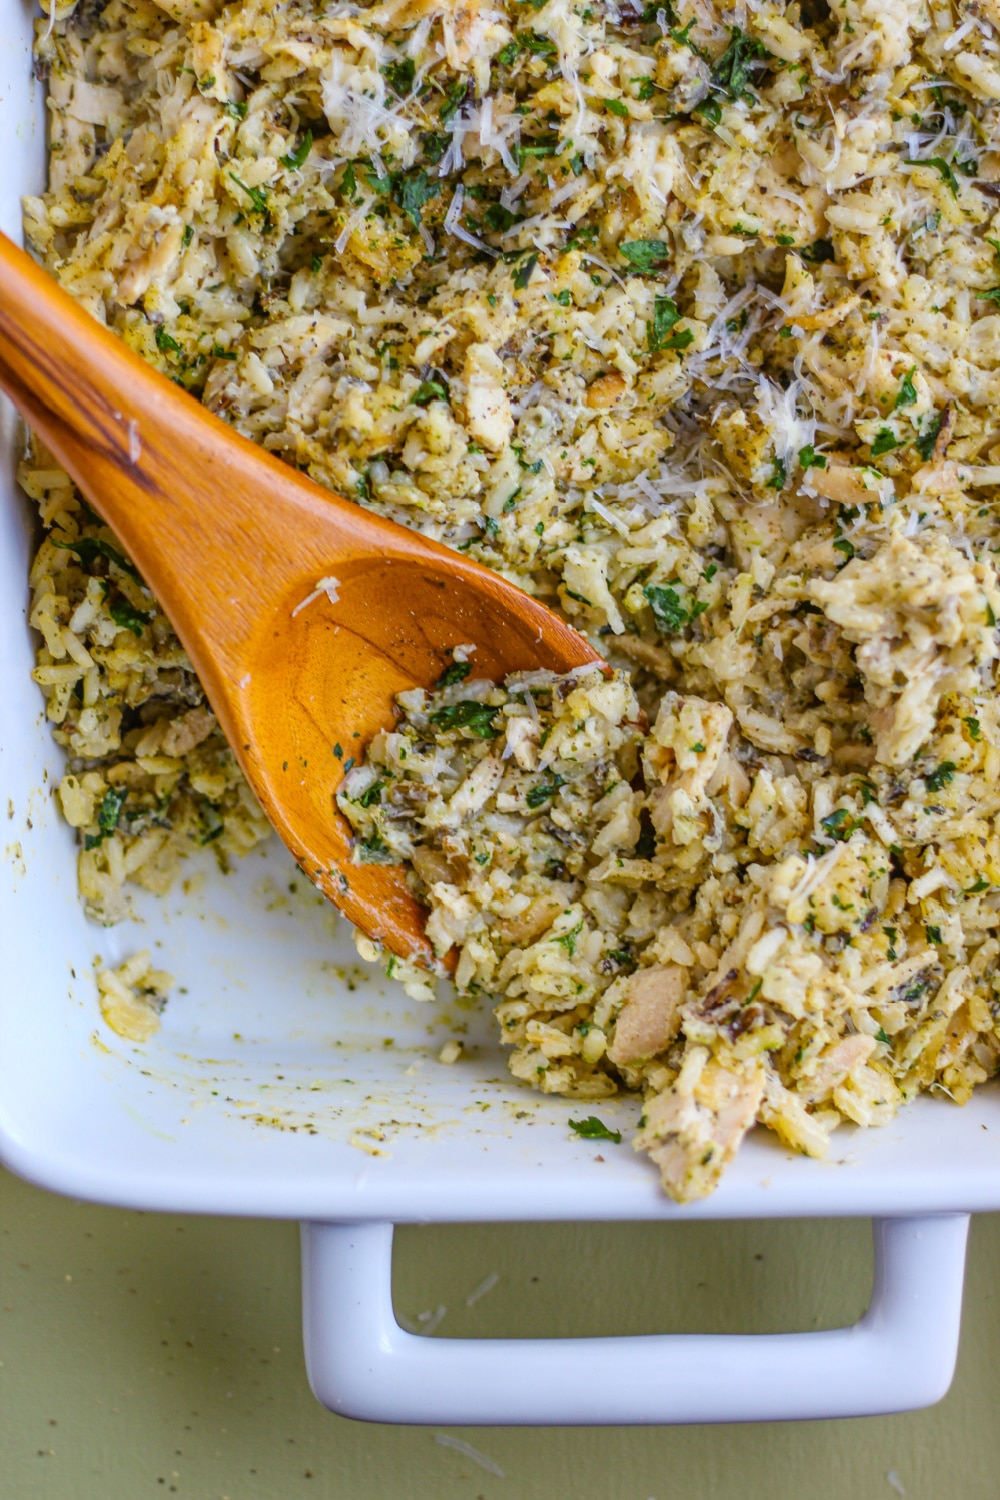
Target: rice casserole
<point>686,320</point>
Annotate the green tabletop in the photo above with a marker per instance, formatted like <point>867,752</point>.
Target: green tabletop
<point>146,1355</point>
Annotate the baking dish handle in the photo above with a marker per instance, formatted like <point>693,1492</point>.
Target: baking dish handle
<point>899,1356</point>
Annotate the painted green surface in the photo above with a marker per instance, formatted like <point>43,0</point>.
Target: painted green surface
<point>148,1356</point>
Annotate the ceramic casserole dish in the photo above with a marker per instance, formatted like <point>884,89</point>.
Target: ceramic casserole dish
<point>270,1091</point>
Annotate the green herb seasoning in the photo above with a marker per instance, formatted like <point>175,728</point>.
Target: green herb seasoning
<point>593,1129</point>
<point>469,714</point>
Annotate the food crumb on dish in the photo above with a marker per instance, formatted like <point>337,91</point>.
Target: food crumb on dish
<point>369,1142</point>
<point>451,1051</point>
<point>133,995</point>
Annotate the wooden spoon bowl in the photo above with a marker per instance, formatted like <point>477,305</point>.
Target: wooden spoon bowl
<point>233,542</point>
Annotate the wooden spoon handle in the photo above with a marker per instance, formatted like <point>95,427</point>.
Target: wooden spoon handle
<point>182,490</point>
<point>80,379</point>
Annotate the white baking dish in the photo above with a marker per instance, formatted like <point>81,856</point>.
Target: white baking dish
<point>271,1061</point>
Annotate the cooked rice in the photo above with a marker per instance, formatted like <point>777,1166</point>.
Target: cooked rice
<point>133,995</point>
<point>687,321</point>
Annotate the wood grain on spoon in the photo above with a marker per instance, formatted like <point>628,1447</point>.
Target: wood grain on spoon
<point>232,541</point>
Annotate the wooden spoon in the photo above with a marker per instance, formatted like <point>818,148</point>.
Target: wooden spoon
<point>233,542</point>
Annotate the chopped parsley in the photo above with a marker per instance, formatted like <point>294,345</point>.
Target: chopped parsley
<point>617,107</point>
<point>412,190</point>
<point>371,794</point>
<point>399,75</point>
<point>933,934</point>
<point>127,618</point>
<point>644,255</point>
<point>810,459</point>
<point>408,190</point>
<point>941,777</point>
<point>885,441</point>
<point>907,393</point>
<point>111,808</point>
<point>89,548</point>
<point>669,610</point>
<point>434,143</point>
<point>456,96</point>
<point>942,166</point>
<point>524,272</point>
<point>567,940</point>
<point>731,73</point>
<point>818,252</point>
<point>841,544</point>
<point>296,157</point>
<point>107,816</point>
<point>257,196</point>
<point>779,476</point>
<point>428,391</point>
<point>499,218</point>
<point>536,796</point>
<point>927,440</point>
<point>458,671</point>
<point>658,334</point>
<point>536,43</point>
<point>665,315</point>
<point>165,343</point>
<point>839,824</point>
<point>468,714</point>
<point>593,1129</point>
<point>372,851</point>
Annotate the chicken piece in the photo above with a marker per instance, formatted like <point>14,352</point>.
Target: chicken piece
<point>522,742</point>
<point>919,613</point>
<point>451,916</point>
<point>694,1128</point>
<point>650,1017</point>
<point>152,257</point>
<point>681,724</point>
<point>840,483</point>
<point>487,408</point>
<point>433,866</point>
<point>836,1064</point>
<point>536,918</point>
<point>189,730</point>
<point>472,795</point>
